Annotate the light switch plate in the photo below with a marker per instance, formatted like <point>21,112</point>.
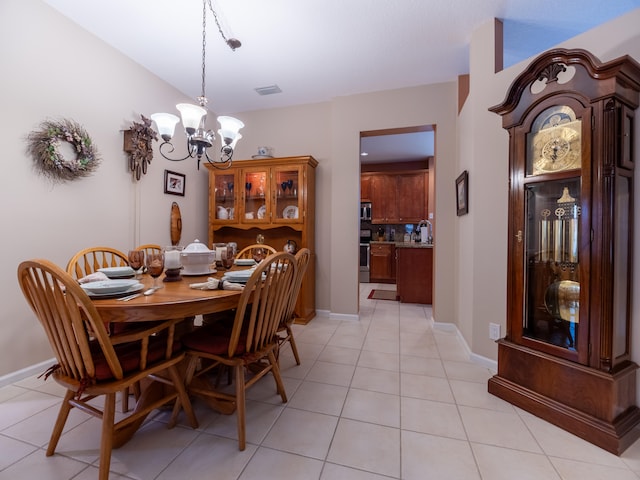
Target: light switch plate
<point>494,331</point>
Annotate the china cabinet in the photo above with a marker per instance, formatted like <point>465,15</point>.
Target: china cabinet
<point>273,198</point>
<point>566,354</point>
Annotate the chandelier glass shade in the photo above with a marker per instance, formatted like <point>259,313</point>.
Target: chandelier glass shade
<point>194,118</point>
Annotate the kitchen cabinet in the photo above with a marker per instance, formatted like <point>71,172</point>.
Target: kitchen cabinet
<point>414,274</point>
<point>399,197</point>
<point>411,197</point>
<point>383,198</point>
<point>566,356</point>
<point>382,262</point>
<point>365,188</point>
<point>274,198</point>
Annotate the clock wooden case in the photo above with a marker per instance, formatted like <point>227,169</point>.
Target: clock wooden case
<point>566,354</point>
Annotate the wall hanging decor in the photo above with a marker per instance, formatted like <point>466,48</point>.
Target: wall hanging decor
<point>138,144</point>
<point>176,224</point>
<point>44,146</point>
<point>174,183</point>
<point>462,194</point>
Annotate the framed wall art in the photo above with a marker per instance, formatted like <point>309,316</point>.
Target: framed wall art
<point>462,193</point>
<point>174,183</point>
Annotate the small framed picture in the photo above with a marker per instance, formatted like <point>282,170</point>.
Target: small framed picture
<point>462,193</point>
<point>174,183</point>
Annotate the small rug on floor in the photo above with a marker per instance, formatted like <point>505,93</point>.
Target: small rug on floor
<point>383,295</point>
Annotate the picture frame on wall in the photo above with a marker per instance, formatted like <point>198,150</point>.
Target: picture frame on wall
<point>174,183</point>
<point>462,193</point>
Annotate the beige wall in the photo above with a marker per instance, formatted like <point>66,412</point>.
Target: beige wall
<point>425,105</point>
<point>331,133</point>
<point>86,80</point>
<point>53,69</point>
<point>55,220</point>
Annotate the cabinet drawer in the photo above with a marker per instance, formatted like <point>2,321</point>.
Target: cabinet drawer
<point>382,262</point>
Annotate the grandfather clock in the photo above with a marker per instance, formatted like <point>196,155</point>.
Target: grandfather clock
<point>566,355</point>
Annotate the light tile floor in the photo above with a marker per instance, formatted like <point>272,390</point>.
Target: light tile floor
<point>388,397</point>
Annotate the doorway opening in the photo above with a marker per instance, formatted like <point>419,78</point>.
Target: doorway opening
<point>388,210</point>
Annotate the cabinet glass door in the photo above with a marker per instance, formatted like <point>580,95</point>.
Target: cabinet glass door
<point>552,288</point>
<point>224,204</point>
<point>287,185</point>
<point>256,185</point>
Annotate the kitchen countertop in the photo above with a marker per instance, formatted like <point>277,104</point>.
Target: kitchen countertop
<point>405,244</point>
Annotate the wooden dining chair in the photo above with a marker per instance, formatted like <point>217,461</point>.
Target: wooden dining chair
<point>251,341</point>
<point>149,248</point>
<point>91,363</point>
<point>257,250</point>
<point>89,260</point>
<point>285,330</point>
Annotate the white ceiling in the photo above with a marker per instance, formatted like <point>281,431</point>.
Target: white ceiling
<point>316,50</point>
<point>397,147</point>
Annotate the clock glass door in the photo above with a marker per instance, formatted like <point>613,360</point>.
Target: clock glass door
<point>552,288</point>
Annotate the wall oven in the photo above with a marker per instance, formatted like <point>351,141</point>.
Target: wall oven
<point>365,254</point>
<point>365,211</point>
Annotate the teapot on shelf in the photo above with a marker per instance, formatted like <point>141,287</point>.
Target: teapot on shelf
<point>224,213</point>
<point>290,247</point>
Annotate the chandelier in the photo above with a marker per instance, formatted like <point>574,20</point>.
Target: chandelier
<point>194,117</point>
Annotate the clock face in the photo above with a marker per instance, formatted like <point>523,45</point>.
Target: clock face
<point>554,144</point>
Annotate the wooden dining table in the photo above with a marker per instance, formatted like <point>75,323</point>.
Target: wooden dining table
<point>174,300</point>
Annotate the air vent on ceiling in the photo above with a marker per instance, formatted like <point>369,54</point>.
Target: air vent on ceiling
<point>270,90</point>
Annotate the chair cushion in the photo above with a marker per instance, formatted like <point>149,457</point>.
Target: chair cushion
<point>117,328</point>
<point>129,356</point>
<point>213,339</point>
<point>225,318</point>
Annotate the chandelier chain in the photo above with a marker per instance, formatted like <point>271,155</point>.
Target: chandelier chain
<point>203,98</point>
<point>198,138</point>
<point>215,17</point>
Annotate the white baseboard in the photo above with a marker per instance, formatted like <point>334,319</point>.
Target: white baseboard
<point>473,357</point>
<point>30,371</point>
<point>484,361</point>
<point>344,316</point>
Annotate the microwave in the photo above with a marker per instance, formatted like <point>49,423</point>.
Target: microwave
<point>365,211</point>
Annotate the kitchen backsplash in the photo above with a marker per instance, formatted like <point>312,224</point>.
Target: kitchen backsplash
<point>391,232</point>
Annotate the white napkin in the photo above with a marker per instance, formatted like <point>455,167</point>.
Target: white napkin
<point>210,284</point>
<point>226,285</point>
<point>215,284</point>
<point>93,277</point>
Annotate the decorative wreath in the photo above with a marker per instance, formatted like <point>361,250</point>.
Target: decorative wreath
<point>43,146</point>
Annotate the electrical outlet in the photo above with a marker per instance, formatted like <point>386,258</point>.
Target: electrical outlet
<point>494,331</point>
